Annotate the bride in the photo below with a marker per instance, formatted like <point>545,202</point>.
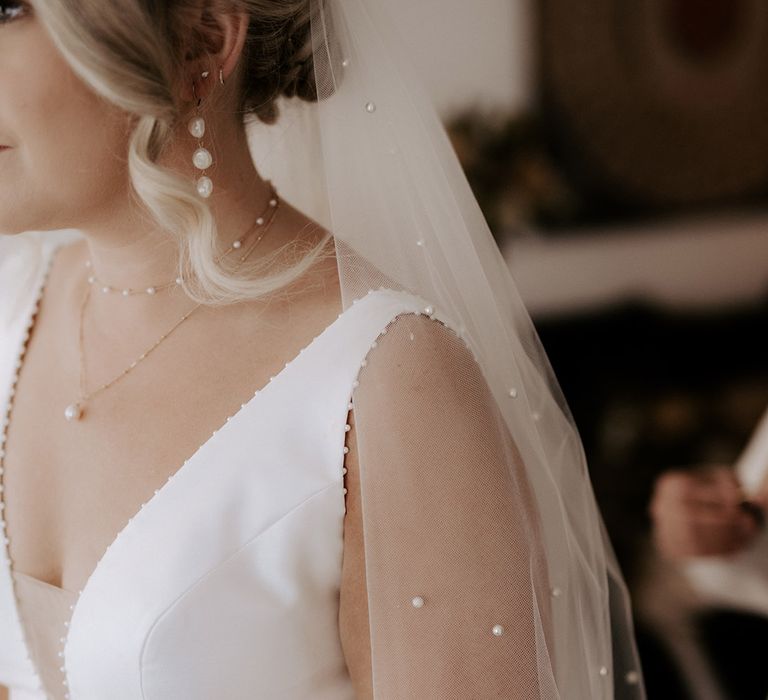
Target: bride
<point>276,423</point>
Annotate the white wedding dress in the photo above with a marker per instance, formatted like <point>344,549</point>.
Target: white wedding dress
<point>226,582</point>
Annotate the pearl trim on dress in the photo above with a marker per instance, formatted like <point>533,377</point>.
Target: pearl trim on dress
<point>6,556</point>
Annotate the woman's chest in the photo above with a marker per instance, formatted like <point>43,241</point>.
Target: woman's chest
<point>70,486</point>
<point>231,563</point>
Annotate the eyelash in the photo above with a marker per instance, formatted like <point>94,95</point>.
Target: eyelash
<point>4,7</point>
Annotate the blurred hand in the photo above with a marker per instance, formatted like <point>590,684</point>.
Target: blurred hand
<point>698,513</point>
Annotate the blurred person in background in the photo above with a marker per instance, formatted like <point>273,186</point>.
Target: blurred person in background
<point>711,590</point>
<point>704,512</point>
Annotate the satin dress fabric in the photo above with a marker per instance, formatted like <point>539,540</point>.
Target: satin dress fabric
<point>225,584</point>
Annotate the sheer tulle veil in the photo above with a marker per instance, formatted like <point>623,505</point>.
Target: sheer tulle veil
<point>488,569</point>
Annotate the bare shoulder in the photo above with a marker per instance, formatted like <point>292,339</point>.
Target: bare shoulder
<point>412,359</point>
<point>420,358</point>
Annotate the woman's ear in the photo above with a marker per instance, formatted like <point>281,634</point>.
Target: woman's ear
<point>216,31</point>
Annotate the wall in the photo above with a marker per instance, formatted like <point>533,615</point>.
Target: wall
<point>470,51</point>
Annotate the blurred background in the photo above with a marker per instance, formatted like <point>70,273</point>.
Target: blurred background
<point>619,151</point>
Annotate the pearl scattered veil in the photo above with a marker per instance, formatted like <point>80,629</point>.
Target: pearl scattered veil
<point>487,567</point>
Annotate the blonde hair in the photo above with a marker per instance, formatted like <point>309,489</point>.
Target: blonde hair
<point>130,53</point>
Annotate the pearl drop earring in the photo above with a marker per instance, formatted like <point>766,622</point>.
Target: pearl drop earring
<point>201,158</point>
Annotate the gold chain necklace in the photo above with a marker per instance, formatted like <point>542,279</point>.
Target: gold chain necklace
<point>76,410</point>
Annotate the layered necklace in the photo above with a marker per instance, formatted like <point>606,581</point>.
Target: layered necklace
<point>76,410</point>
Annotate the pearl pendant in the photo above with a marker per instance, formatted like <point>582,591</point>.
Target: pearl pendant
<point>197,127</point>
<point>74,411</point>
<point>202,158</point>
<point>204,186</point>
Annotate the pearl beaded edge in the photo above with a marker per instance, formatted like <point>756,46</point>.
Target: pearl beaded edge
<point>427,310</point>
<point>5,550</point>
